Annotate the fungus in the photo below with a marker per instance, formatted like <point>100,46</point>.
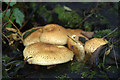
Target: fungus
<point>92,45</point>
<point>47,54</point>
<point>77,47</point>
<point>77,32</point>
<point>34,37</point>
<point>54,34</point>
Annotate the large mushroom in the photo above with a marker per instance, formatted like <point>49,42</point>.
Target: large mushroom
<point>54,34</point>
<point>47,54</point>
<point>32,38</point>
<point>77,47</point>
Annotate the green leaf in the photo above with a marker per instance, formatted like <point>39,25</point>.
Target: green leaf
<point>7,13</point>
<point>87,26</point>
<point>19,16</point>
<point>9,25</point>
<point>11,3</point>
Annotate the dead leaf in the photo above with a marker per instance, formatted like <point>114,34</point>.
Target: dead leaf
<point>11,29</point>
<point>87,34</point>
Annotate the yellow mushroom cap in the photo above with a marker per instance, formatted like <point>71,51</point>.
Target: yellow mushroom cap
<point>47,54</point>
<point>54,34</point>
<point>77,47</point>
<point>76,32</point>
<point>92,44</point>
<point>34,37</point>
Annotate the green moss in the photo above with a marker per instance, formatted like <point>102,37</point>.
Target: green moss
<point>63,77</point>
<point>84,74</point>
<point>46,14</point>
<point>101,33</point>
<point>77,67</point>
<point>71,19</point>
<point>92,74</point>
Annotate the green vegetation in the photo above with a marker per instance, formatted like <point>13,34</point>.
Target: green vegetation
<point>63,77</point>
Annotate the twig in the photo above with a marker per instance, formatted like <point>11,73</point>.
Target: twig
<point>3,40</point>
<point>6,10</point>
<point>115,57</point>
<point>111,32</point>
<point>89,14</point>
<point>6,37</point>
<point>29,16</point>
<point>5,23</point>
<point>116,41</point>
<point>10,41</point>
<point>18,31</point>
<point>104,57</point>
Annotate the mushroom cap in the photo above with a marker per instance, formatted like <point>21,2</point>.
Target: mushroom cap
<point>76,32</point>
<point>54,34</point>
<point>34,37</point>
<point>77,47</point>
<point>47,54</point>
<point>92,44</point>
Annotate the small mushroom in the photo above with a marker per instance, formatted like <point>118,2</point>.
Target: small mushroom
<point>54,34</point>
<point>34,37</point>
<point>47,54</point>
<point>92,44</point>
<point>76,32</point>
<point>77,47</point>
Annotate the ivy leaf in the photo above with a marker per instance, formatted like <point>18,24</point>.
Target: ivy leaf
<point>19,16</point>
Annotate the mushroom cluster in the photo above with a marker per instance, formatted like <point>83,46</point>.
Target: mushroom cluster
<point>53,44</point>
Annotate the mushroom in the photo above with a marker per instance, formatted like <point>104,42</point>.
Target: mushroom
<point>54,34</point>
<point>77,47</point>
<point>47,54</point>
<point>92,44</point>
<point>77,32</point>
<point>34,37</point>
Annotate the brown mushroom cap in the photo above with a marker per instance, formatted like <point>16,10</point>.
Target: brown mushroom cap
<point>34,37</point>
<point>76,32</point>
<point>92,44</point>
<point>47,54</point>
<point>77,47</point>
<point>54,34</point>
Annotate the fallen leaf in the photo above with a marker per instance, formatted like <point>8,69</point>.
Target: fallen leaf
<point>11,29</point>
<point>87,34</point>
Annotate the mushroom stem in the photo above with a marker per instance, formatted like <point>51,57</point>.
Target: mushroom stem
<point>77,47</point>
